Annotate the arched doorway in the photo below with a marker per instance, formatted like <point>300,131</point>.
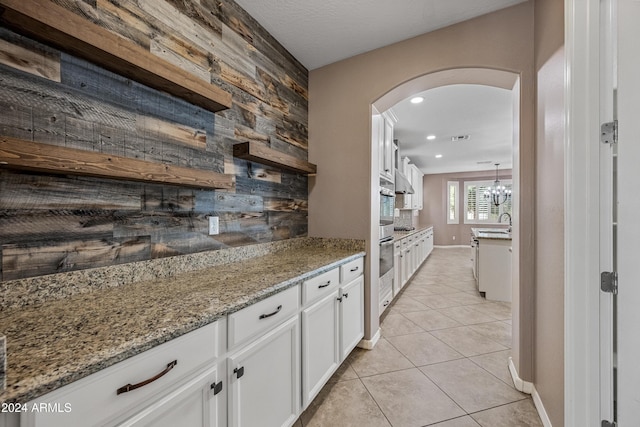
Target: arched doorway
<point>504,80</point>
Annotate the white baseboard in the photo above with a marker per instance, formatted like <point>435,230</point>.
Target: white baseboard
<point>450,246</point>
<point>529,388</point>
<point>546,422</point>
<point>369,344</point>
<point>519,383</point>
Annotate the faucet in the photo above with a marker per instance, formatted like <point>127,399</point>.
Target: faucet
<point>507,214</point>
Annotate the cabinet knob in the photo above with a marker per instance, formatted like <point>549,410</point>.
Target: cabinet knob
<point>346,295</point>
<point>239,372</point>
<point>216,387</point>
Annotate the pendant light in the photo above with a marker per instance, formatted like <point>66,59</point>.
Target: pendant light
<point>498,194</point>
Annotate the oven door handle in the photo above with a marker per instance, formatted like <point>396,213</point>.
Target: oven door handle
<point>386,241</point>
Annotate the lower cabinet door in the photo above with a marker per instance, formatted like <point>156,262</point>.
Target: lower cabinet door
<point>320,354</point>
<point>351,315</point>
<point>198,403</point>
<point>264,379</point>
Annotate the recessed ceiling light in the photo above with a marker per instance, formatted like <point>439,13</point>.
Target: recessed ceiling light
<point>438,156</point>
<point>417,100</point>
<point>431,137</point>
<point>460,138</point>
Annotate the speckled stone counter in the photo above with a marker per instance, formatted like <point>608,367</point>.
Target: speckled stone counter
<point>397,235</point>
<point>491,233</point>
<point>54,341</point>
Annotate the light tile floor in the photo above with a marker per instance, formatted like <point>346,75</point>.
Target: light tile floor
<point>442,360</point>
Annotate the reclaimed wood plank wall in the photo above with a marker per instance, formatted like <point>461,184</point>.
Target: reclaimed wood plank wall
<point>54,223</point>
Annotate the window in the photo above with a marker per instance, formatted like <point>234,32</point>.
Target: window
<point>452,202</point>
<point>479,209</point>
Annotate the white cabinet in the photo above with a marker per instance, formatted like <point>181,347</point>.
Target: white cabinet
<point>351,315</point>
<point>320,345</point>
<point>494,268</point>
<point>332,324</point>
<point>180,371</point>
<point>403,201</point>
<point>259,366</point>
<point>414,175</point>
<point>198,403</point>
<point>397,267</point>
<point>382,136</point>
<point>416,183</point>
<point>264,379</point>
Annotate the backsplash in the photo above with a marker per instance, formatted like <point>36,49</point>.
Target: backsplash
<point>406,219</point>
<point>57,223</point>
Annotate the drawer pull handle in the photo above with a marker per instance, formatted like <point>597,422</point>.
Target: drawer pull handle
<point>264,316</point>
<point>325,285</point>
<point>354,269</point>
<point>239,372</point>
<point>130,387</point>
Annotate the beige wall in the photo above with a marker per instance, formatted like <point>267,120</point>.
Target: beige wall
<point>340,98</point>
<point>549,238</point>
<point>435,205</point>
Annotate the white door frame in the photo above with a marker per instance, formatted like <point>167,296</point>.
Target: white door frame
<point>582,295</point>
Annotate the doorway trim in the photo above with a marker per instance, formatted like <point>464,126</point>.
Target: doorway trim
<point>581,240</point>
<point>523,166</point>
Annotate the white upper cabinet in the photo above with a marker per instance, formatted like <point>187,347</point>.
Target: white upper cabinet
<point>416,183</point>
<point>382,137</point>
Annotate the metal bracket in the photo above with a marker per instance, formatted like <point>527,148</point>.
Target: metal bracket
<point>609,132</point>
<point>609,282</point>
<point>606,423</point>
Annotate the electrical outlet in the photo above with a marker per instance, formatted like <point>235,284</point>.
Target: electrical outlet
<point>214,225</point>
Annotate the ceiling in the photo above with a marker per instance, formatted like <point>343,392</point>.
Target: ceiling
<point>484,113</point>
<point>319,33</point>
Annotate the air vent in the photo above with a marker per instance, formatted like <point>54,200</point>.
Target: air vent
<point>460,138</point>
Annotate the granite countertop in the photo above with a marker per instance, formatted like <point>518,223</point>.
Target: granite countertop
<point>491,233</point>
<point>397,235</point>
<point>54,343</point>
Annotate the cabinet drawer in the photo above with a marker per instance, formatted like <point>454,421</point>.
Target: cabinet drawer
<point>318,286</point>
<point>261,316</point>
<point>94,400</point>
<point>351,270</point>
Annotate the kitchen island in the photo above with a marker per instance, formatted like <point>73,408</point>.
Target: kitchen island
<point>492,262</point>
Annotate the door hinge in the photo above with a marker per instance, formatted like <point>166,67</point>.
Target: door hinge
<point>609,282</point>
<point>606,423</point>
<point>609,132</point>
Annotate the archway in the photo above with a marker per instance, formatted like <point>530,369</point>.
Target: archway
<point>504,80</point>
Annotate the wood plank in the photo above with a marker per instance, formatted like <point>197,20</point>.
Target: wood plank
<point>26,155</point>
<point>274,204</point>
<point>54,225</point>
<point>260,153</point>
<point>31,61</point>
<point>174,131</point>
<point>53,24</point>
<point>24,191</point>
<point>219,201</point>
<point>26,260</point>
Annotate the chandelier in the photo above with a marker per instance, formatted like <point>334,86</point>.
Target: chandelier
<point>498,193</point>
